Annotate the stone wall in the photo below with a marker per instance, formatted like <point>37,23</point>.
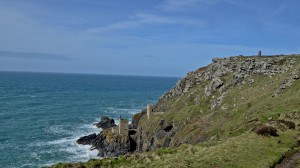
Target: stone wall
<point>149,110</point>
<point>123,126</point>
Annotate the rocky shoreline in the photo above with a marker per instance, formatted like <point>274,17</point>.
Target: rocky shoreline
<point>211,78</point>
<point>110,144</point>
<point>236,106</point>
<point>107,143</point>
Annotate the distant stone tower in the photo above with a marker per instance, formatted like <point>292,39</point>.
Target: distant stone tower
<point>259,53</point>
<point>149,110</point>
<point>123,126</point>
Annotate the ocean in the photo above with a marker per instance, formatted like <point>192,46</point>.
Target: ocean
<point>43,114</point>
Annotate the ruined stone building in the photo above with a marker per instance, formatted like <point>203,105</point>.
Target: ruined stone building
<point>149,110</point>
<point>122,128</point>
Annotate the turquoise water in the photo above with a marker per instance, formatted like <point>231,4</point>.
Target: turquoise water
<point>43,114</point>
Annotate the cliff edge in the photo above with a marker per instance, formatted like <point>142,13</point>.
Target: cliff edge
<point>236,112</point>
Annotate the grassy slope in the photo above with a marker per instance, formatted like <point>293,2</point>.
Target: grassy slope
<point>231,143</point>
<point>247,150</point>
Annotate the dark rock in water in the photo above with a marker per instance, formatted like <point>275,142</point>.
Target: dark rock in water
<point>106,123</point>
<point>87,140</point>
<point>107,143</point>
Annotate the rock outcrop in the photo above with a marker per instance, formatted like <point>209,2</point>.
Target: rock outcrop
<point>265,130</point>
<point>108,144</point>
<point>106,123</point>
<point>216,79</point>
<point>215,82</point>
<point>287,82</point>
<point>87,140</point>
<point>241,69</point>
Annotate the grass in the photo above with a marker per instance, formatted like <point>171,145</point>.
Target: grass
<point>229,141</point>
<point>247,150</point>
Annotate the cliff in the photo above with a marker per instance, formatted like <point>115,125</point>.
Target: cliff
<point>236,112</point>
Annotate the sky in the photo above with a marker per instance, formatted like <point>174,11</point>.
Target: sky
<point>141,37</point>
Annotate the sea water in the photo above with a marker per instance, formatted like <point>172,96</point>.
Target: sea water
<point>43,114</point>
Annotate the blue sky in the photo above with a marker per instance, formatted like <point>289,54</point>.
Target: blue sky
<point>141,37</point>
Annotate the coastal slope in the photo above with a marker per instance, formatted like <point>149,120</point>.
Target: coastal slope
<point>241,111</point>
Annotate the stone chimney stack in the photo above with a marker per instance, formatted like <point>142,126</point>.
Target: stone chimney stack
<point>259,53</point>
<point>149,110</point>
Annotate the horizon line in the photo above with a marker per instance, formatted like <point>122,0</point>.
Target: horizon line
<point>82,73</point>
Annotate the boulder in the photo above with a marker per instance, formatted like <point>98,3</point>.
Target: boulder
<point>213,86</point>
<point>106,123</point>
<point>108,144</point>
<point>282,124</point>
<point>87,140</point>
<point>286,83</point>
<point>265,130</point>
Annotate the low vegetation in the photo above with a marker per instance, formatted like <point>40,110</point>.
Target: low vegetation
<point>251,128</point>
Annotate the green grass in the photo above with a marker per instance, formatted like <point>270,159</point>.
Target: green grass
<point>247,150</point>
<point>230,143</point>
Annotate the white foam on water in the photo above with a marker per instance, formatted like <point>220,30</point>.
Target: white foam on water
<point>76,152</point>
<point>80,152</point>
<point>56,129</point>
<point>89,127</point>
<point>35,156</point>
<point>26,165</point>
<point>61,141</point>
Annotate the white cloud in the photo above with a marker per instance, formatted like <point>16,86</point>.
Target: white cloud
<point>140,19</point>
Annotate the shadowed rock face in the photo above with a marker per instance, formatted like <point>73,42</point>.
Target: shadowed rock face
<point>105,123</point>
<point>265,130</point>
<point>108,144</point>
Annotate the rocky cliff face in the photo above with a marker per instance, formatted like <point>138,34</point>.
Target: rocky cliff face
<point>108,144</point>
<point>214,82</point>
<point>240,68</point>
<point>198,98</point>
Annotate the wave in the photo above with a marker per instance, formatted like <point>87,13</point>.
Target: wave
<point>26,165</point>
<point>68,145</point>
<point>56,129</point>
